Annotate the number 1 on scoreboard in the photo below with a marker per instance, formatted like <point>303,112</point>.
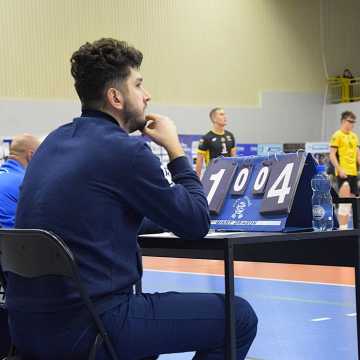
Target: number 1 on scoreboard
<point>216,181</point>
<point>216,178</point>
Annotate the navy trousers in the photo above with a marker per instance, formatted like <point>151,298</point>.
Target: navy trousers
<point>147,325</point>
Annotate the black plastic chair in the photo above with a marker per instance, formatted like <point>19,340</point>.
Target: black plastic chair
<point>32,253</point>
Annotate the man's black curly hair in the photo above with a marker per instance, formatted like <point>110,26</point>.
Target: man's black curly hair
<point>97,65</point>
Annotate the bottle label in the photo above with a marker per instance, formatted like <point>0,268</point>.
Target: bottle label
<point>318,212</point>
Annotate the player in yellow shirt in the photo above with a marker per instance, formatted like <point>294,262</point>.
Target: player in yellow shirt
<point>345,156</point>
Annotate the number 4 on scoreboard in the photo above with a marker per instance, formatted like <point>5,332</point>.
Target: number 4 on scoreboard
<point>280,189</point>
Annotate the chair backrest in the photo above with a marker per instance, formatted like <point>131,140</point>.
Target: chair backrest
<point>32,253</point>
<point>2,284</point>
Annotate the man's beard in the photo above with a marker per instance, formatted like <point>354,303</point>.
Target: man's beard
<point>133,119</point>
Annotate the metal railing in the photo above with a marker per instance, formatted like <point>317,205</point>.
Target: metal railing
<point>355,89</point>
<point>343,90</point>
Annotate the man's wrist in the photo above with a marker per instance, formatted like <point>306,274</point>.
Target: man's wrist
<point>174,151</point>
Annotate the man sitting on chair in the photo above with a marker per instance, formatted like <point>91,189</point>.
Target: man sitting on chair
<point>92,184</point>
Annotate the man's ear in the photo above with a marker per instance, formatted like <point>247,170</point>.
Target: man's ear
<point>29,155</point>
<point>115,98</point>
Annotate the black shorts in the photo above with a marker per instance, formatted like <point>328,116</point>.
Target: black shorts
<point>352,180</point>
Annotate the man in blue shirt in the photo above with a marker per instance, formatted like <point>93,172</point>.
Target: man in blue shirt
<point>12,172</point>
<point>93,184</point>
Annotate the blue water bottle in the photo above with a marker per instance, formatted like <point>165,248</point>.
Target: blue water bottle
<point>322,205</point>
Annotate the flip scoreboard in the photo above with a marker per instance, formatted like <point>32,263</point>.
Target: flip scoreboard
<point>260,193</point>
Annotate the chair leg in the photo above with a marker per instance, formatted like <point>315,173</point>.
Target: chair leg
<point>12,354</point>
<point>12,350</point>
<point>97,343</point>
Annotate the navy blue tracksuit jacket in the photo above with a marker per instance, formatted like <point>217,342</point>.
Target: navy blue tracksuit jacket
<point>92,184</point>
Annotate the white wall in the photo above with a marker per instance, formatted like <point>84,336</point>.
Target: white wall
<point>281,117</point>
<point>332,116</point>
<point>38,117</point>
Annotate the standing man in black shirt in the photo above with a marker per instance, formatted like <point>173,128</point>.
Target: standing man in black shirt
<point>217,142</point>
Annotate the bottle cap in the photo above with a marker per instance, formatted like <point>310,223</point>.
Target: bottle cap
<point>320,168</point>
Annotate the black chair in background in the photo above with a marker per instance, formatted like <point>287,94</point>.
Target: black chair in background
<point>4,328</point>
<point>34,253</point>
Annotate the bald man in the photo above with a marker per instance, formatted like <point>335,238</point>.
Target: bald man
<point>12,172</point>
